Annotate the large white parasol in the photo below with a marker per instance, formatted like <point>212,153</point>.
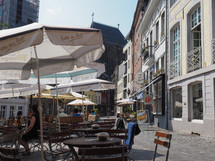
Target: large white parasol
<point>46,50</point>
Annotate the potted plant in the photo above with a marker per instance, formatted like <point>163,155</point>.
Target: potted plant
<point>154,75</point>
<point>143,49</point>
<point>161,70</point>
<point>145,82</point>
<point>155,42</point>
<point>162,34</point>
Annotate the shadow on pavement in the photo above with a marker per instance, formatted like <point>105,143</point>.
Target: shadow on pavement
<point>138,154</point>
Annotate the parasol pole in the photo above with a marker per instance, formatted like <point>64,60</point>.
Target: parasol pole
<point>14,109</point>
<point>57,102</point>
<point>40,104</point>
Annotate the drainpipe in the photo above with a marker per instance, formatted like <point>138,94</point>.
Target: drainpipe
<point>166,76</point>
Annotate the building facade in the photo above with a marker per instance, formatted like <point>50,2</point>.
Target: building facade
<point>152,28</point>
<point>191,66</point>
<point>114,42</point>
<point>15,13</point>
<point>9,107</point>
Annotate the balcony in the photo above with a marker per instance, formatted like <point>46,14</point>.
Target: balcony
<point>174,69</point>
<point>194,60</point>
<point>213,51</point>
<point>148,59</point>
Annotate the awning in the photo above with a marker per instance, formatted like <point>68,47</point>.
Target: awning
<point>143,88</point>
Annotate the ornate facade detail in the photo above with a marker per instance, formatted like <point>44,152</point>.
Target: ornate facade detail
<point>174,69</point>
<point>194,60</point>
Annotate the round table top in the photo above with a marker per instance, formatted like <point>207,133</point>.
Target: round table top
<point>89,130</point>
<point>92,141</point>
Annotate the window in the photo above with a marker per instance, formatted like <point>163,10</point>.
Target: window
<point>3,110</point>
<point>196,101</point>
<point>172,2</point>
<point>194,55</point>
<point>176,97</point>
<point>157,96</point>
<point>49,110</point>
<point>176,50</point>
<point>162,62</point>
<point>196,28</point>
<point>20,108</point>
<point>12,111</point>
<point>157,33</point>
<point>162,25</point>
<point>157,65</point>
<point>150,42</point>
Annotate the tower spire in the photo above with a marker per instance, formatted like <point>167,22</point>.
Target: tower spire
<point>92,16</point>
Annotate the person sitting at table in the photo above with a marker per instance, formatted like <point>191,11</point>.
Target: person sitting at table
<point>76,113</point>
<point>93,112</point>
<point>32,130</point>
<point>61,114</point>
<point>18,117</point>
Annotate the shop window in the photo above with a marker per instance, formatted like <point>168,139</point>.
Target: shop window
<point>196,101</point>
<point>157,96</point>
<point>176,97</point>
<point>3,111</point>
<point>12,111</point>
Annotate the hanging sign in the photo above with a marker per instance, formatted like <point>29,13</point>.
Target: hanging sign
<point>147,99</point>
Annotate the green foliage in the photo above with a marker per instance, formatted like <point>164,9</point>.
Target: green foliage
<point>4,25</point>
<point>128,109</point>
<point>96,110</point>
<point>134,113</point>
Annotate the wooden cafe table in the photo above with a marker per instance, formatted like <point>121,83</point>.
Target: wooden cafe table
<point>86,131</point>
<point>89,142</point>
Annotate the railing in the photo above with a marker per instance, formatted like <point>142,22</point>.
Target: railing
<point>174,69</point>
<point>213,51</point>
<point>194,60</point>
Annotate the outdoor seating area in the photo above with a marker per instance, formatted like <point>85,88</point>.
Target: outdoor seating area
<point>69,140</point>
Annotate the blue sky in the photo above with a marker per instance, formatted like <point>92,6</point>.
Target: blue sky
<point>78,13</point>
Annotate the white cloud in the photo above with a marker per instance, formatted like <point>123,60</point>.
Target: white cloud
<point>59,9</point>
<point>50,11</point>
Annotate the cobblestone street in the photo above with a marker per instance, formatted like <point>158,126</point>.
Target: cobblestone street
<point>184,146</point>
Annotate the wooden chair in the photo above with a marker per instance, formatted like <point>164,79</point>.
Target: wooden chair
<point>113,153</point>
<point>9,154</point>
<point>76,119</point>
<point>92,117</point>
<point>10,122</point>
<point>56,146</point>
<point>10,137</point>
<point>113,120</point>
<point>166,143</point>
<point>50,118</point>
<point>66,119</point>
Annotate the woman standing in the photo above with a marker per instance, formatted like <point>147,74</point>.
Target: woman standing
<point>32,130</point>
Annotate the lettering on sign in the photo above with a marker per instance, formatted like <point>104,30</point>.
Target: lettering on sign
<point>71,37</point>
<point>17,41</point>
<point>139,78</point>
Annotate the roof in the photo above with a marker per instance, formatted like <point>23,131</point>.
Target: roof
<point>110,34</point>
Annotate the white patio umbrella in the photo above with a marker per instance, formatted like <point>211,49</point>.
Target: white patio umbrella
<point>81,102</point>
<point>46,50</point>
<point>86,85</point>
<point>16,90</point>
